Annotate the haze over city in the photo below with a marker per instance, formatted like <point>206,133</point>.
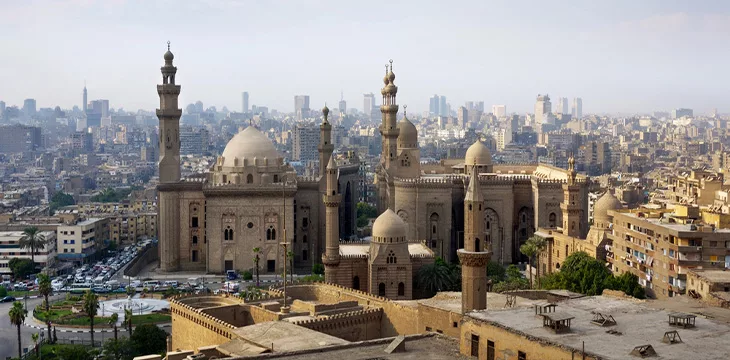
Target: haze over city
<point>619,56</point>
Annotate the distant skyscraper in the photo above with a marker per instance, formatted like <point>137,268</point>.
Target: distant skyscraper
<point>2,109</point>
<point>301,106</point>
<point>29,107</point>
<point>443,108</point>
<point>499,110</point>
<point>368,103</point>
<point>104,108</point>
<point>85,104</point>
<point>562,106</point>
<point>462,115</point>
<point>543,108</point>
<point>577,112</point>
<point>245,101</point>
<point>305,139</point>
<point>433,106</point>
<point>681,112</point>
<point>342,105</point>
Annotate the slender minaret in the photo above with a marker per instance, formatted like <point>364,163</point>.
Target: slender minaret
<point>169,166</point>
<point>571,203</point>
<point>331,257</point>
<point>475,254</point>
<point>325,142</point>
<point>169,115</point>
<point>388,127</point>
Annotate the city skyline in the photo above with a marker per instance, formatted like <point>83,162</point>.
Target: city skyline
<point>620,58</point>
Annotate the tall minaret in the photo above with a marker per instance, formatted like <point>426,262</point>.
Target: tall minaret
<point>571,203</point>
<point>388,128</point>
<point>169,200</point>
<point>325,142</point>
<point>169,115</point>
<point>331,257</point>
<point>475,254</point>
<point>86,99</point>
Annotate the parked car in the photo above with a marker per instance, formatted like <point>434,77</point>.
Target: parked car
<point>7,299</point>
<point>231,275</point>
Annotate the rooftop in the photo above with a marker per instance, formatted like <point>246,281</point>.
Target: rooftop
<point>282,336</point>
<point>451,301</point>
<point>363,248</point>
<point>716,276</point>
<point>636,325</point>
<point>671,226</point>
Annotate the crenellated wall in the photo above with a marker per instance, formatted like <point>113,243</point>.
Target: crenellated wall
<point>193,328</point>
<point>352,326</point>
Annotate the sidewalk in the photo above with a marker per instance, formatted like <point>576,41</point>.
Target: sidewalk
<point>151,272</point>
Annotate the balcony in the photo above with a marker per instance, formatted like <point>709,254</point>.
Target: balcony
<point>689,249</point>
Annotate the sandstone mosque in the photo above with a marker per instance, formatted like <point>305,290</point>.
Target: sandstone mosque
<point>252,199</point>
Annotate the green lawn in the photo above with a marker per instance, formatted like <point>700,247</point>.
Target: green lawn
<point>40,314</point>
<point>98,320</point>
<point>20,294</point>
<point>151,319</point>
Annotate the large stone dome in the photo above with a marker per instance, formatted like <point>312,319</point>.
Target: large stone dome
<point>389,227</point>
<point>478,154</point>
<point>600,209</point>
<point>408,136</point>
<point>249,143</point>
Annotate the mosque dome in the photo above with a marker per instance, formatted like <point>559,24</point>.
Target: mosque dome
<point>607,202</point>
<point>389,227</point>
<point>408,137</point>
<point>325,111</point>
<point>169,56</point>
<point>249,143</point>
<point>478,154</point>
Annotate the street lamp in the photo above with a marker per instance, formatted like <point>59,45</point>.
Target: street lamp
<point>284,244</point>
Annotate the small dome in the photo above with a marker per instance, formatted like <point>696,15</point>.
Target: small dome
<point>389,225</point>
<point>607,202</point>
<point>325,111</point>
<point>408,136</point>
<point>385,79</point>
<point>391,76</point>
<point>390,89</point>
<point>478,154</point>
<point>249,143</point>
<point>169,56</point>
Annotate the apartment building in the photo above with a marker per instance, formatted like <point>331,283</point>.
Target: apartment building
<point>661,246</point>
<point>129,221</point>
<point>10,248</point>
<point>694,187</point>
<point>81,241</point>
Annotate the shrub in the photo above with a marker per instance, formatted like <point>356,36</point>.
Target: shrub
<point>247,275</point>
<point>318,269</point>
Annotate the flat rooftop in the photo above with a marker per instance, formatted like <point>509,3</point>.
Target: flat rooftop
<point>716,276</point>
<point>637,323</point>
<point>282,336</point>
<point>451,301</point>
<point>672,226</point>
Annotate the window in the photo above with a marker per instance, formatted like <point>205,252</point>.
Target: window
<point>195,239</point>
<point>401,289</point>
<point>552,219</point>
<point>249,225</point>
<point>271,233</point>
<point>476,244</point>
<point>356,283</point>
<point>475,345</point>
<point>490,350</point>
<point>713,243</point>
<point>455,324</point>
<point>391,259</point>
<point>305,222</point>
<point>381,289</point>
<point>276,178</point>
<point>195,256</point>
<point>304,238</point>
<point>521,355</point>
<point>194,222</point>
<point>249,179</point>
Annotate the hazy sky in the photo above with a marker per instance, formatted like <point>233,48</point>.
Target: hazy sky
<point>619,56</point>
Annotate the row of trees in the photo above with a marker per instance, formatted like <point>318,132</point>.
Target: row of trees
<point>586,275</point>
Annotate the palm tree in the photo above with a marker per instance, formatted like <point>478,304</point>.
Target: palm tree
<point>34,336</point>
<point>45,289</point>
<point>290,257</point>
<point>32,239</point>
<point>528,249</point>
<point>256,252</point>
<point>113,322</point>
<point>91,307</point>
<point>17,317</point>
<point>540,244</point>
<point>128,320</point>
<point>436,277</point>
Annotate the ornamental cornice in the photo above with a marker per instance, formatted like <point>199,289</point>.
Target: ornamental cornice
<point>473,259</point>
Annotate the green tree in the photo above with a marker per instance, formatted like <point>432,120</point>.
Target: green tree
<point>436,277</point>
<point>21,268</point>
<point>365,211</point>
<point>128,320</point>
<point>91,307</point>
<point>17,317</point>
<point>148,339</point>
<point>34,337</point>
<point>495,272</point>
<point>45,289</point>
<point>60,199</point>
<point>247,275</point>
<point>628,283</point>
<point>118,349</point>
<point>528,249</point>
<point>318,269</point>
<point>256,257</point>
<point>113,319</point>
<point>75,352</point>
<point>3,292</point>
<point>540,244</point>
<point>32,239</point>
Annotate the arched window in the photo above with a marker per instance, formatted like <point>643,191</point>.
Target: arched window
<point>195,239</point>
<point>469,207</point>
<point>552,218</point>
<point>476,244</point>
<point>276,178</point>
<point>391,258</point>
<point>249,179</point>
<point>381,289</point>
<point>572,225</point>
<point>268,234</point>
<point>401,289</point>
<point>304,238</point>
<point>273,234</point>
<point>356,283</point>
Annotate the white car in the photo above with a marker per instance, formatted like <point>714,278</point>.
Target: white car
<point>135,283</point>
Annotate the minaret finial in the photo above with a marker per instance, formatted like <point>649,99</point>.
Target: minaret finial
<point>391,64</point>
<point>404,110</point>
<point>168,45</point>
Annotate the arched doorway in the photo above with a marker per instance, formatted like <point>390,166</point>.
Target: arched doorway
<point>381,289</point>
<point>356,282</point>
<point>401,289</point>
<point>346,228</point>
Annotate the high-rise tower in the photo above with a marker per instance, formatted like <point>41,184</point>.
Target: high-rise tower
<point>571,205</point>
<point>331,257</point>
<point>169,201</point>
<point>475,254</point>
<point>169,115</point>
<point>86,99</point>
<point>388,127</point>
<point>325,141</point>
